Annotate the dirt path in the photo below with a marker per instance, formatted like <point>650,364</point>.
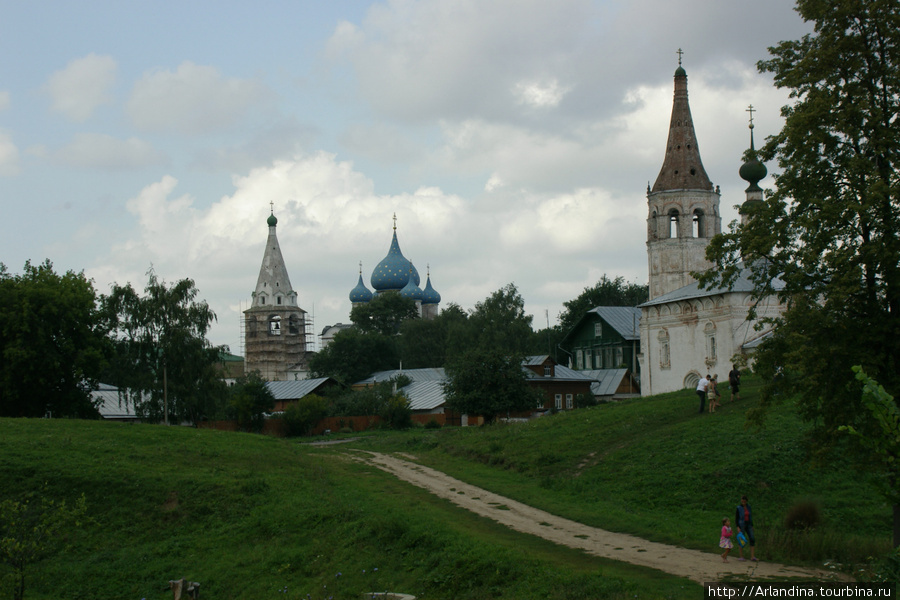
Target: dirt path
<point>692,564</point>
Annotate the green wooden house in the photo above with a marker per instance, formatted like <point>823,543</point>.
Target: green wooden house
<point>606,337</point>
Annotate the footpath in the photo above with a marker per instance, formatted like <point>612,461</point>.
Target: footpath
<point>698,566</point>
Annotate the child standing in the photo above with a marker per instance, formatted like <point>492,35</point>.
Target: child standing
<point>725,540</point>
<point>712,393</point>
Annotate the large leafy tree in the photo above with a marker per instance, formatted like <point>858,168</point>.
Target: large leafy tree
<point>53,343</point>
<point>606,292</point>
<point>164,365</point>
<point>354,355</point>
<point>488,383</point>
<point>831,229</point>
<point>499,323</point>
<point>384,313</point>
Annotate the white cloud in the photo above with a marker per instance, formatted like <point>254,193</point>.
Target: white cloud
<point>82,86</point>
<point>194,99</point>
<point>106,152</point>
<point>9,155</point>
<point>540,94</point>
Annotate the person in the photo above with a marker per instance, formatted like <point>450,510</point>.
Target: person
<point>701,391</point>
<point>734,380</point>
<point>725,539</point>
<point>712,391</point>
<point>743,518</point>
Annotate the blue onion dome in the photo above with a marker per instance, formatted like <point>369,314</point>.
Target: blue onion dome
<point>412,289</point>
<point>430,295</point>
<point>394,270</point>
<point>360,293</point>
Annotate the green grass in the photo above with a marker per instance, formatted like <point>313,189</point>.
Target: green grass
<point>252,517</point>
<point>655,468</point>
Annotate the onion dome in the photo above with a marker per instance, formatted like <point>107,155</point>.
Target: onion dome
<point>360,293</point>
<point>412,289</point>
<point>752,171</point>
<point>430,295</point>
<point>272,220</point>
<point>394,270</point>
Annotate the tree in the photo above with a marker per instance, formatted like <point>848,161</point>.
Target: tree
<point>606,292</point>
<point>488,383</point>
<point>384,313</point>
<point>301,416</point>
<point>829,231</point>
<point>53,343</point>
<point>32,529</point>
<point>499,322</point>
<point>884,447</point>
<point>164,365</point>
<point>250,400</point>
<point>354,355</point>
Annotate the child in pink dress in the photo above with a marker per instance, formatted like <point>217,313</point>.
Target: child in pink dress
<point>725,540</point>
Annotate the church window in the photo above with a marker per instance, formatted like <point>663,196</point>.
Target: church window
<point>598,329</point>
<point>664,358</point>
<point>278,300</point>
<point>262,299</point>
<point>275,325</point>
<point>711,350</point>
<point>294,325</point>
<point>673,223</point>
<point>697,224</point>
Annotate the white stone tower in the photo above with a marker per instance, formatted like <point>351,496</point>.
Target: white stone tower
<point>277,331</point>
<point>683,204</point>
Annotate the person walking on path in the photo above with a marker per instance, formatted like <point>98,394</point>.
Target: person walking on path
<point>712,392</point>
<point>725,539</point>
<point>701,391</point>
<point>743,518</point>
<point>734,380</point>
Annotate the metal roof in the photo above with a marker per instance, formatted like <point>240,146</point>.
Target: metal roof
<point>293,390</point>
<point>692,290</point>
<point>109,407</point>
<point>424,395</point>
<point>607,381</point>
<point>624,319</point>
<point>754,343</point>
<point>429,374</point>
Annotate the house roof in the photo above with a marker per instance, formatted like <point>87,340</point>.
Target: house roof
<point>624,319</point>
<point>109,408</point>
<point>429,374</point>
<point>754,343</point>
<point>606,381</point>
<point>293,390</point>
<point>692,290</point>
<point>424,395</point>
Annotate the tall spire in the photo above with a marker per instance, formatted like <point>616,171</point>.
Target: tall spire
<point>273,286</point>
<point>682,168</point>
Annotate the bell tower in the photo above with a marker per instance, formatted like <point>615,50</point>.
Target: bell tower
<point>683,204</point>
<point>277,330</point>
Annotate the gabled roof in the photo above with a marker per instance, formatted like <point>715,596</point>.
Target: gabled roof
<point>625,320</point>
<point>607,381</point>
<point>429,374</point>
<point>692,291</point>
<point>424,395</point>
<point>109,408</point>
<point>294,390</point>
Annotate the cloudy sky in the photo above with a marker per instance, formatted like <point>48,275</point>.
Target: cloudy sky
<point>514,139</point>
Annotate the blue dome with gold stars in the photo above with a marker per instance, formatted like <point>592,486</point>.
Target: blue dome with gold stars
<point>360,293</point>
<point>430,295</point>
<point>394,270</point>
<point>412,289</point>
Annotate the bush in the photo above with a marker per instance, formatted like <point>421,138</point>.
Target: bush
<point>585,400</point>
<point>432,424</point>
<point>396,413</point>
<point>299,418</point>
<point>803,515</point>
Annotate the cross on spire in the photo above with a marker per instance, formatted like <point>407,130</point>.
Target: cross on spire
<point>679,52</point>
<point>395,221</point>
<point>272,206</point>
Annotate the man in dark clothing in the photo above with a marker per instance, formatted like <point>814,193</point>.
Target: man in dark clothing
<point>743,519</point>
<point>734,380</point>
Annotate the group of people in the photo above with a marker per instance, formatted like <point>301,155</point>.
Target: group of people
<point>708,388</point>
<point>743,518</point>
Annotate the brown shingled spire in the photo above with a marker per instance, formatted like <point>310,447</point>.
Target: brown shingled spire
<point>682,168</point>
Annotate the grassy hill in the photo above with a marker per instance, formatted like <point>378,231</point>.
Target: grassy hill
<point>255,517</point>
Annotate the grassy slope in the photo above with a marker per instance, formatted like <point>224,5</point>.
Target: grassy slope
<point>254,517</point>
<point>656,468</point>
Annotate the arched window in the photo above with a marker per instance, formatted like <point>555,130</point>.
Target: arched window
<point>275,325</point>
<point>697,224</point>
<point>711,350</point>
<point>294,325</point>
<point>673,223</point>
